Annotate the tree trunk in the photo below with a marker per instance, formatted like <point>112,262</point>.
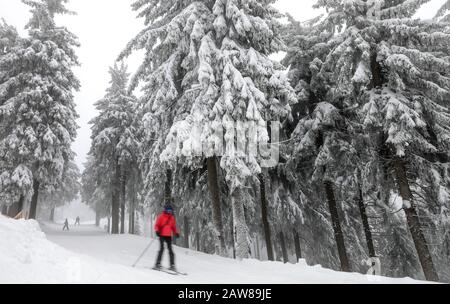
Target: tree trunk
<point>115,205</point>
<point>342,251</point>
<point>298,248</point>
<point>137,226</point>
<point>233,237</point>
<point>233,240</point>
<point>401,176</point>
<point>132,210</point>
<point>97,219</point>
<point>109,224</point>
<point>214,190</point>
<point>152,230</point>
<point>16,208</point>
<point>34,200</point>
<point>197,237</point>
<point>240,226</point>
<point>377,72</point>
<point>283,248</point>
<point>52,215</point>
<point>413,220</point>
<point>123,189</point>
<point>365,222</point>
<point>258,249</point>
<point>168,188</point>
<point>122,218</point>
<point>5,210</point>
<point>265,217</point>
<point>186,232</point>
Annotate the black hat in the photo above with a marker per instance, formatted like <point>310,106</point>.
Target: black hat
<point>168,208</point>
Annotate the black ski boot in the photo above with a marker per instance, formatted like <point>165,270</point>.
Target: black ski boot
<point>173,268</point>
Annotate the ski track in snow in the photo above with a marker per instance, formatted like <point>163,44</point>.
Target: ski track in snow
<point>86,254</point>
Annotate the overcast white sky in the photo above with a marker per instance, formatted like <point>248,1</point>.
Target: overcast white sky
<point>104,27</point>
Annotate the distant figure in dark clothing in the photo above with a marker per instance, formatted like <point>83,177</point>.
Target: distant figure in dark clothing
<point>66,225</point>
<point>78,221</point>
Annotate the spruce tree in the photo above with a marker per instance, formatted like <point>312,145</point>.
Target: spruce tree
<point>321,145</point>
<point>166,42</point>
<point>392,70</point>
<point>114,142</point>
<point>237,85</point>
<point>37,104</point>
<point>15,181</point>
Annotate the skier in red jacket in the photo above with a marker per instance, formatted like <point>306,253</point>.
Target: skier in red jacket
<point>166,228</point>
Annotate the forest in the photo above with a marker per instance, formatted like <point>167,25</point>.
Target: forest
<point>338,154</point>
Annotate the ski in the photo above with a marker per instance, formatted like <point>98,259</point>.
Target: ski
<point>181,273</point>
<point>171,272</point>
<point>175,272</point>
<point>166,271</point>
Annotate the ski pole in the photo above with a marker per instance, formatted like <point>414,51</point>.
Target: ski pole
<point>143,253</point>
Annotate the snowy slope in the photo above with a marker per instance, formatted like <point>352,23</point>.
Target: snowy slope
<point>26,256</point>
<point>88,255</point>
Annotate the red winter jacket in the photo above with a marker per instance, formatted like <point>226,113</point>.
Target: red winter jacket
<point>166,225</point>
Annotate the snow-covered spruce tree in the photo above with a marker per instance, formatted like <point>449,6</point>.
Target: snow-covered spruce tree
<point>396,69</point>
<point>237,85</point>
<point>168,68</point>
<point>412,97</point>
<point>37,109</point>
<point>128,149</point>
<point>114,142</point>
<point>284,192</point>
<point>14,182</point>
<point>321,144</point>
<point>322,152</point>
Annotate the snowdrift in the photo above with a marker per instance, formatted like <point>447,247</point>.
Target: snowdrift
<point>26,256</point>
<point>87,255</point>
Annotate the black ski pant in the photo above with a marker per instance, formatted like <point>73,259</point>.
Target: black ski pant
<point>168,241</point>
<point>66,227</point>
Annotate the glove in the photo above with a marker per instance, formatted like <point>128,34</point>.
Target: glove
<point>158,234</point>
<point>177,235</point>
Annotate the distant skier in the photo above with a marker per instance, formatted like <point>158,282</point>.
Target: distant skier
<point>166,228</point>
<point>78,221</point>
<point>66,225</point>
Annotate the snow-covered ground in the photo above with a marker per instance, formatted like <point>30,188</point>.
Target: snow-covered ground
<point>86,254</point>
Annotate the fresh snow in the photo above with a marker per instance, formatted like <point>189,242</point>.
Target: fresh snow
<point>87,254</point>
